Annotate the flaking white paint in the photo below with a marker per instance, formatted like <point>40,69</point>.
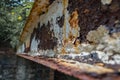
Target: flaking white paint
<point>34,44</point>
<point>21,49</point>
<point>104,2</point>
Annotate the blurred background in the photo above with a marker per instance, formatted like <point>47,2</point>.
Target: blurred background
<point>13,14</point>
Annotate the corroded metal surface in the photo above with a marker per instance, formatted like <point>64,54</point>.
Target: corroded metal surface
<point>89,28</point>
<point>73,27</point>
<point>85,72</point>
<point>72,32</point>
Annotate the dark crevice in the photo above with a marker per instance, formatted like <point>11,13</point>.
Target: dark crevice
<point>60,21</point>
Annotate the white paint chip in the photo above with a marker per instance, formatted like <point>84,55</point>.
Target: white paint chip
<point>104,2</point>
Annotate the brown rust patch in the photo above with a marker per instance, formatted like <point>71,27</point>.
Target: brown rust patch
<point>74,19</point>
<point>46,37</point>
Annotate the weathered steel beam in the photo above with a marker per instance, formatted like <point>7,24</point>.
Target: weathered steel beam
<point>85,72</point>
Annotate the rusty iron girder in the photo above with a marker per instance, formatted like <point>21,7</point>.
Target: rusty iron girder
<point>71,69</point>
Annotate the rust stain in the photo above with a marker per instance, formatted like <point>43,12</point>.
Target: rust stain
<point>65,41</point>
<point>71,36</point>
<point>65,4</point>
<point>74,27</point>
<point>63,51</point>
<point>74,19</point>
<point>77,42</point>
<point>76,46</point>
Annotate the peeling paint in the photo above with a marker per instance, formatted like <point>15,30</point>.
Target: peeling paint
<point>96,35</point>
<point>104,2</point>
<point>34,45</point>
<point>21,49</point>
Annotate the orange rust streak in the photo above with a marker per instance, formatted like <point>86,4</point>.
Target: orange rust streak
<point>71,37</point>
<point>36,11</point>
<point>65,41</point>
<point>74,19</point>
<point>77,43</point>
<point>63,51</point>
<point>65,4</point>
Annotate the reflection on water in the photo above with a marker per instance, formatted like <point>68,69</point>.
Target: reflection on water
<point>16,68</point>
